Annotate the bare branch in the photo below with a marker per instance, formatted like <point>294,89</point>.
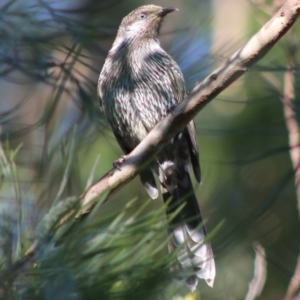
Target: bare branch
<point>294,140</point>
<point>240,62</point>
<point>288,99</point>
<point>260,272</point>
<point>291,121</point>
<point>294,284</point>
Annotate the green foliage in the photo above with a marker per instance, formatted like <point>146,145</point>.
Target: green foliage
<point>119,256</point>
<point>110,258</point>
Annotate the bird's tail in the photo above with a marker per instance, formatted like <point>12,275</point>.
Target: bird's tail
<point>188,232</point>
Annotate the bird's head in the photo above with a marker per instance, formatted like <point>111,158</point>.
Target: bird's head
<point>143,22</point>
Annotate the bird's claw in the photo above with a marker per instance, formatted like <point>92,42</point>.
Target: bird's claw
<point>117,163</point>
<point>171,110</point>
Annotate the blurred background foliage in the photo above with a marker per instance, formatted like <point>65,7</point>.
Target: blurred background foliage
<point>53,137</point>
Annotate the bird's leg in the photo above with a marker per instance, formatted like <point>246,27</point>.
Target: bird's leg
<point>117,163</point>
<point>170,110</point>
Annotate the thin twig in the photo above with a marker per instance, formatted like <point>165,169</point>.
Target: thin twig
<point>294,284</point>
<point>293,130</point>
<point>260,273</point>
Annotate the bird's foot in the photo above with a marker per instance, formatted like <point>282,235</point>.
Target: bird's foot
<point>117,163</point>
<point>171,110</point>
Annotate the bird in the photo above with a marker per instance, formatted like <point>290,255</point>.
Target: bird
<point>139,85</point>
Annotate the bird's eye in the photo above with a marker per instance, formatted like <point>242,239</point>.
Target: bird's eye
<point>142,16</point>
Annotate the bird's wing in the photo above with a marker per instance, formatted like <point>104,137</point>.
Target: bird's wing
<point>172,90</point>
<point>194,151</point>
<point>178,87</point>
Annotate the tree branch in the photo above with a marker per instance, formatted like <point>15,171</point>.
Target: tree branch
<point>260,273</point>
<point>288,100</point>
<point>182,114</point>
<point>240,62</point>
<point>294,140</point>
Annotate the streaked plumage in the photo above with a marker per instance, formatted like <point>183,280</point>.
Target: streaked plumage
<point>139,85</point>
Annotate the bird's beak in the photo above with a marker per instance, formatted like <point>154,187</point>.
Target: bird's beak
<point>166,11</point>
